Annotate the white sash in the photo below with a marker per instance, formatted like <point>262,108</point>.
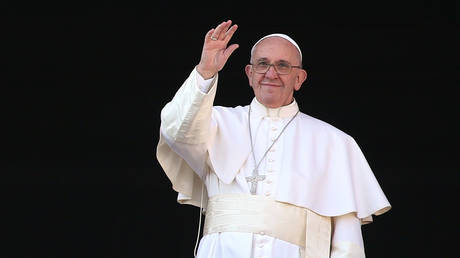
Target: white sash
<point>261,215</point>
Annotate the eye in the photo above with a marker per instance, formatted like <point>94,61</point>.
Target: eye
<point>262,63</point>
<point>282,65</point>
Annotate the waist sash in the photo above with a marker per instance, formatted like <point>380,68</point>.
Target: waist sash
<point>265,216</point>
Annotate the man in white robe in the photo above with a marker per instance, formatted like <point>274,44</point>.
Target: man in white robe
<point>211,151</point>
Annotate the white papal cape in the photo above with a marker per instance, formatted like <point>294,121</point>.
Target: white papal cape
<point>312,165</point>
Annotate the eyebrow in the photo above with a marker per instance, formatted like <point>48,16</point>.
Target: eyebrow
<point>278,61</point>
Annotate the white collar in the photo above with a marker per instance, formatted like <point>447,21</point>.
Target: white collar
<point>259,110</point>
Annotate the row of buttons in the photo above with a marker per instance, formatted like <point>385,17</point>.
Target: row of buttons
<point>270,161</point>
<point>262,242</point>
<point>267,185</point>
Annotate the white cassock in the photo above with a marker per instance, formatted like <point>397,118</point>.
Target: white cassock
<point>312,165</point>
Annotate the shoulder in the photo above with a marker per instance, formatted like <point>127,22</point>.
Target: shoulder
<point>230,111</point>
<point>322,128</point>
<point>228,115</point>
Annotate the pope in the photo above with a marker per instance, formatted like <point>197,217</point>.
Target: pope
<point>272,180</point>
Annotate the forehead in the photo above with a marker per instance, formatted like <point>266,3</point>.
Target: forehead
<point>276,48</point>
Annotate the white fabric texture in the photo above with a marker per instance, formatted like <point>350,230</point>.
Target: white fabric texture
<point>257,214</point>
<point>324,170</point>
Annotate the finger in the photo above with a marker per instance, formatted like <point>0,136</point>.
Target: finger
<point>218,31</point>
<point>224,29</point>
<point>209,35</point>
<point>230,32</point>
<point>230,50</point>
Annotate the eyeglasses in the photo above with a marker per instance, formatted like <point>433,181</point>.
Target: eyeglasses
<point>280,67</point>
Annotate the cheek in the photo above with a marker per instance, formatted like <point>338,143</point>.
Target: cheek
<point>254,81</point>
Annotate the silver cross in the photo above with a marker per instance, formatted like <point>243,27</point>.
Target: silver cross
<point>254,179</point>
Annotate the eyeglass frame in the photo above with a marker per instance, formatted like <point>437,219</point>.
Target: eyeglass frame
<point>276,70</point>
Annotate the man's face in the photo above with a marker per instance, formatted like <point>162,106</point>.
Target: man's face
<point>270,88</point>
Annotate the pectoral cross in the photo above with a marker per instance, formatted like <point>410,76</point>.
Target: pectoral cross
<point>254,179</point>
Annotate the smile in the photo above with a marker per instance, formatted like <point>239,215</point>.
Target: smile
<point>270,85</point>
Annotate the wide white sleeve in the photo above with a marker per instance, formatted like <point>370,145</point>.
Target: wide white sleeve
<point>184,133</point>
<point>347,239</point>
<point>186,119</point>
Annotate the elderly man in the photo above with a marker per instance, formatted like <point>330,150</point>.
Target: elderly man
<point>274,181</point>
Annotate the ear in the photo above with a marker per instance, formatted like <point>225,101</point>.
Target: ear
<point>301,77</point>
<point>248,70</point>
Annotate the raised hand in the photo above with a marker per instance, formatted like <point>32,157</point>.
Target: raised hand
<point>215,52</point>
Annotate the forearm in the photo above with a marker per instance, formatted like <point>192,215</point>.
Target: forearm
<point>187,117</point>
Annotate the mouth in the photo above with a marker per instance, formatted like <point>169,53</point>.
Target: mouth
<point>270,85</point>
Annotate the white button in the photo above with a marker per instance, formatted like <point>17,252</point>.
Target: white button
<point>267,194</point>
<point>271,160</point>
<point>272,150</point>
<point>274,128</point>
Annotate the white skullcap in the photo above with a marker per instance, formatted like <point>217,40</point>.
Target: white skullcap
<point>284,36</point>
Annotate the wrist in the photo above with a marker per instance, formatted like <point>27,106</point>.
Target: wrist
<point>204,73</point>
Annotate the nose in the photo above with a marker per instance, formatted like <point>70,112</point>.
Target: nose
<point>271,72</point>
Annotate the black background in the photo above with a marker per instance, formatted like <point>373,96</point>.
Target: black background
<point>83,85</point>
